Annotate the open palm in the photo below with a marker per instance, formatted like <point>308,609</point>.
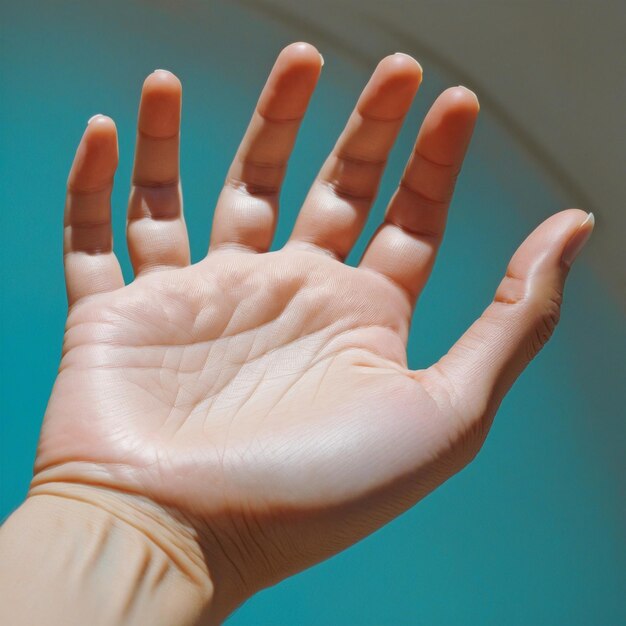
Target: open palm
<point>265,396</point>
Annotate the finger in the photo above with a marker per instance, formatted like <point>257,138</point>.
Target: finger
<point>405,245</point>
<point>90,265</point>
<point>155,230</point>
<point>247,208</point>
<point>339,201</point>
<point>484,363</point>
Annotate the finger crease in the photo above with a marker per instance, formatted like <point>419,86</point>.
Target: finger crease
<point>422,196</point>
<point>238,246</point>
<point>420,233</point>
<point>360,160</point>
<point>393,281</point>
<point>251,189</point>
<point>144,135</point>
<point>95,251</point>
<point>87,225</point>
<point>342,192</point>
<point>85,192</point>
<point>262,164</point>
<point>275,120</point>
<point>156,184</point>
<point>430,161</point>
<point>153,218</point>
<point>326,250</point>
<point>373,118</point>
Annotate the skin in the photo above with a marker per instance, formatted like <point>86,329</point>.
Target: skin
<point>252,414</point>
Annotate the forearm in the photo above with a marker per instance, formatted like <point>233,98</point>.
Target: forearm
<point>79,556</point>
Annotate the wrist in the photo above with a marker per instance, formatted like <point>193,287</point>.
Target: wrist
<point>74,554</point>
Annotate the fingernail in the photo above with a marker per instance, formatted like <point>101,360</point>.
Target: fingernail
<point>93,117</point>
<point>321,59</point>
<point>578,240</point>
<point>472,93</point>
<point>163,71</point>
<point>408,56</point>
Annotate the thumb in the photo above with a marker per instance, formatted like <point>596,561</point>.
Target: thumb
<point>481,367</point>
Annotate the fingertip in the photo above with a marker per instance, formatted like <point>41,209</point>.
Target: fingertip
<point>162,82</point>
<point>297,63</point>
<point>101,127</point>
<point>404,63</point>
<point>97,154</point>
<point>400,68</point>
<point>458,103</point>
<point>562,224</point>
<point>448,126</point>
<point>301,54</point>
<point>578,240</point>
<point>471,98</point>
<point>555,242</point>
<point>100,136</point>
<point>567,215</point>
<point>465,97</point>
<point>291,82</point>
<point>159,110</point>
<point>391,88</point>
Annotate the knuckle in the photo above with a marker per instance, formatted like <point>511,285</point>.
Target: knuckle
<point>547,318</point>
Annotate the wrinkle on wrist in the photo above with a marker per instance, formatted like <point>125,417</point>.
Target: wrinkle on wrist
<point>73,554</point>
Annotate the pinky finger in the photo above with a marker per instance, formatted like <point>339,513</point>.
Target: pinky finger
<point>90,264</point>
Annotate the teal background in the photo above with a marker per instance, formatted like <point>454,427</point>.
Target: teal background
<point>533,532</point>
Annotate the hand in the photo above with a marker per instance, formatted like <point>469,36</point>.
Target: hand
<point>261,399</point>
